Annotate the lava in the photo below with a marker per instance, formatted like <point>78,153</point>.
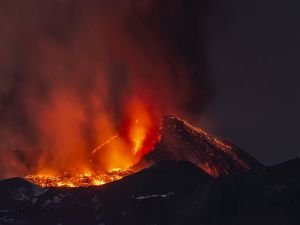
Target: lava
<point>109,161</point>
<point>79,180</point>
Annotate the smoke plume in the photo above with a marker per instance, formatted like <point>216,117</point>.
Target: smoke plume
<point>71,73</point>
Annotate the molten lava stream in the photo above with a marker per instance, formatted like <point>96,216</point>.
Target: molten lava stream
<point>81,180</point>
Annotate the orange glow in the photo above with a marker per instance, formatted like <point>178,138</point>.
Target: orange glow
<point>137,135</point>
<point>80,180</point>
<point>93,92</point>
<point>142,129</point>
<point>106,163</point>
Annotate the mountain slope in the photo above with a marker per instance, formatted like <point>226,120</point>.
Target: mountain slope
<point>182,141</point>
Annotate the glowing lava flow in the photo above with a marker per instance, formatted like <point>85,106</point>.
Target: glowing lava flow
<point>80,180</point>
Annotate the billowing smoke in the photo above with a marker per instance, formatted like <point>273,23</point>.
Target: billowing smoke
<point>72,71</point>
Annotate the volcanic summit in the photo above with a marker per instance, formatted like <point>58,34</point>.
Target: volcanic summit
<point>182,141</point>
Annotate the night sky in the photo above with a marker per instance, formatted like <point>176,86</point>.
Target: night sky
<point>243,60</point>
<point>254,59</point>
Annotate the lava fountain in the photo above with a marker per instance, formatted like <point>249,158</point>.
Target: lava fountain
<point>137,136</point>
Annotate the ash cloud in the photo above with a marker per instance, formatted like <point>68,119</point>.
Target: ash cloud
<point>67,69</point>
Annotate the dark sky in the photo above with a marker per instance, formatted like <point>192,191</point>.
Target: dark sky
<point>254,60</point>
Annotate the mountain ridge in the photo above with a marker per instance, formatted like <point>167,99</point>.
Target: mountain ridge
<point>182,141</point>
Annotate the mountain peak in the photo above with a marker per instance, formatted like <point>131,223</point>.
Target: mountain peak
<point>182,141</point>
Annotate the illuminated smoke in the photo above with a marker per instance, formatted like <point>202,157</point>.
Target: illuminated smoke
<point>76,73</point>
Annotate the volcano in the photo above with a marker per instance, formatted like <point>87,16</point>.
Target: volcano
<point>181,141</point>
<point>190,177</point>
<point>178,141</point>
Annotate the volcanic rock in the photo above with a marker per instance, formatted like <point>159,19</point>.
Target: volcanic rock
<point>168,193</point>
<point>181,141</point>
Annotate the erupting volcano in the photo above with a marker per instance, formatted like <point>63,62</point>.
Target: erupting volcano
<point>90,87</point>
<point>100,103</point>
<point>176,140</point>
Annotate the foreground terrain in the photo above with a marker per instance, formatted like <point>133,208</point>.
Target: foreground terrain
<point>168,192</point>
